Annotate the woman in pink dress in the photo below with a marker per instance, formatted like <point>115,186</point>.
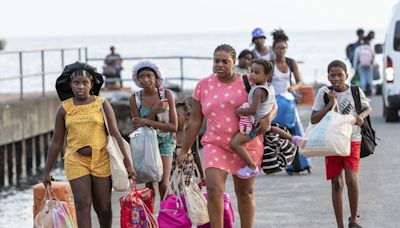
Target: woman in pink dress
<point>216,97</point>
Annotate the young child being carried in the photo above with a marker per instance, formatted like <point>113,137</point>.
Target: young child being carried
<point>261,102</point>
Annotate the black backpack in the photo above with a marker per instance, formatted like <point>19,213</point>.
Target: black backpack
<point>368,141</point>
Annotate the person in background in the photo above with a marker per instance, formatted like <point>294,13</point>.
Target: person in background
<point>112,69</point>
<point>342,95</point>
<point>216,97</point>
<point>244,62</point>
<point>350,49</point>
<point>281,80</point>
<point>86,160</point>
<point>193,157</point>
<point>364,63</point>
<point>154,106</point>
<point>260,51</point>
<point>371,37</point>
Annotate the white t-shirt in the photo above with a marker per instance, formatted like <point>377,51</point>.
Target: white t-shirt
<point>346,106</point>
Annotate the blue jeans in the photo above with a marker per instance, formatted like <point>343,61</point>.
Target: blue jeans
<point>366,74</point>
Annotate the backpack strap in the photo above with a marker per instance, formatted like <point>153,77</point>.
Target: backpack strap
<point>355,92</point>
<point>138,99</point>
<point>161,92</point>
<point>289,62</point>
<point>326,98</point>
<point>138,96</point>
<point>246,83</point>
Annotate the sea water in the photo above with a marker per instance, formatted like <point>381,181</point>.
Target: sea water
<point>312,49</point>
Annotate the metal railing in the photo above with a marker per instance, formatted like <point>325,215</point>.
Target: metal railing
<point>180,59</point>
<point>42,73</point>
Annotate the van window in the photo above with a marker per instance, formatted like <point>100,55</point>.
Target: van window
<point>396,43</point>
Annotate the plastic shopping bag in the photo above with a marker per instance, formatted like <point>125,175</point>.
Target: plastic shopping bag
<point>53,213</point>
<point>146,155</point>
<point>331,136</point>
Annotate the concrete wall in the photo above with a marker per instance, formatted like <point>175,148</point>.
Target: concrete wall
<point>27,118</point>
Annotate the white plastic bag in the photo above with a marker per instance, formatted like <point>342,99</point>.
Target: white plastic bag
<point>331,136</point>
<point>146,155</point>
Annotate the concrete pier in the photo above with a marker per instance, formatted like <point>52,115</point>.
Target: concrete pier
<point>22,123</point>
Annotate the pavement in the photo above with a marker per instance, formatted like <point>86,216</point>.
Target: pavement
<point>304,200</point>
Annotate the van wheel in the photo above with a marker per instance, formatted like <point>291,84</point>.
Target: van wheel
<point>378,89</point>
<point>391,114</point>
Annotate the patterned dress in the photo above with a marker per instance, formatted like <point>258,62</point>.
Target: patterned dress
<point>85,127</point>
<point>218,101</point>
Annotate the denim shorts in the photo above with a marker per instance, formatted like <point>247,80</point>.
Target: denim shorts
<point>166,143</point>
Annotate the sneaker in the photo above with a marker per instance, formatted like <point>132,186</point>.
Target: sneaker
<point>299,141</point>
<point>246,172</point>
<point>354,224</point>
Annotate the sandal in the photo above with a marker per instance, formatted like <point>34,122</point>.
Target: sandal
<point>246,172</point>
<point>354,224</point>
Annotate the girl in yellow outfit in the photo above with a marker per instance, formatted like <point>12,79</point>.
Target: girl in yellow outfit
<point>86,160</point>
<point>85,127</point>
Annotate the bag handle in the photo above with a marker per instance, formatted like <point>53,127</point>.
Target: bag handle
<point>105,118</point>
<point>173,183</point>
<point>51,197</point>
<point>152,223</point>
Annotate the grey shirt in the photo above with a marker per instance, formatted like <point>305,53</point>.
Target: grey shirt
<point>266,106</point>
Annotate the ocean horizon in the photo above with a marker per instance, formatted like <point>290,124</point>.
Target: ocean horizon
<point>313,49</point>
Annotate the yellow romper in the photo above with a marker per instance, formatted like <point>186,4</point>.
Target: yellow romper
<point>85,127</point>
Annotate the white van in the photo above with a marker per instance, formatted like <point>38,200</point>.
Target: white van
<point>391,68</point>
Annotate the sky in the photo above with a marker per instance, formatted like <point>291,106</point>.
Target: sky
<point>27,18</point>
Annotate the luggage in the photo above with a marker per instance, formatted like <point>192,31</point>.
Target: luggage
<point>134,212</point>
<point>286,115</point>
<point>173,210</point>
<point>300,163</point>
<point>278,153</point>
<point>229,215</point>
<point>61,190</point>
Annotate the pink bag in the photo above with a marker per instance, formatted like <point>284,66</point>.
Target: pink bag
<point>229,216</point>
<point>173,213</point>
